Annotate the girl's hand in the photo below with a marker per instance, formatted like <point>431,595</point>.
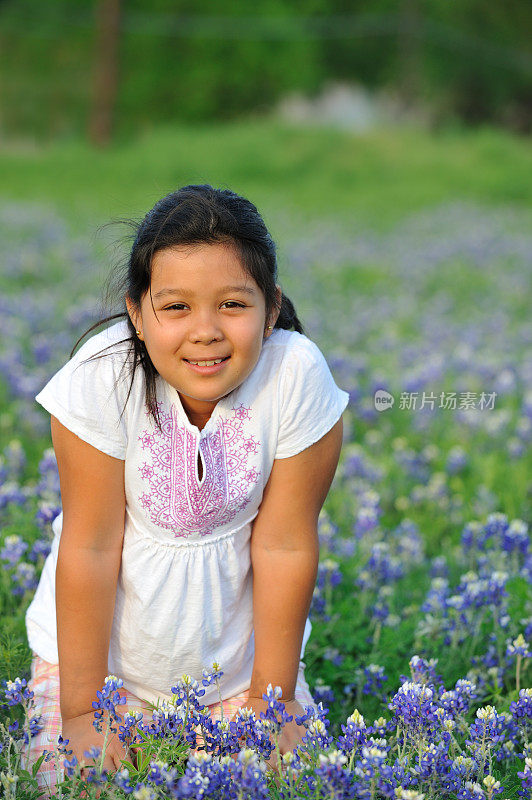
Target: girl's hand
<point>291,734</point>
<point>82,735</point>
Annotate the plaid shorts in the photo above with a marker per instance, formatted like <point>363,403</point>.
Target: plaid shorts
<point>45,685</point>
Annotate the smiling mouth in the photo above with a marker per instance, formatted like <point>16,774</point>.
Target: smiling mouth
<point>207,362</point>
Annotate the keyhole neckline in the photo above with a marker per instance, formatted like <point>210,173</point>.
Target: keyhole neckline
<point>210,425</point>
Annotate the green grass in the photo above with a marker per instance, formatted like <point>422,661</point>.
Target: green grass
<point>292,173</point>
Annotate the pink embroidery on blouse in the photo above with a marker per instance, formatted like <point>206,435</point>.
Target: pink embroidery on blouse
<point>176,499</point>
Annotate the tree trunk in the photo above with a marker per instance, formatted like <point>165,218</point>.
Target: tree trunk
<point>101,121</point>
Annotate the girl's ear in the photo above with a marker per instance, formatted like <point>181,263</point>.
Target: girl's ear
<point>272,319</point>
<point>133,313</point>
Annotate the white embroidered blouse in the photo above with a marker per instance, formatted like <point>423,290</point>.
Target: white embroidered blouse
<point>184,593</point>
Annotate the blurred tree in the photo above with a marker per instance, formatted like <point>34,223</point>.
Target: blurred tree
<point>106,71</point>
<point>192,61</point>
<point>410,55</point>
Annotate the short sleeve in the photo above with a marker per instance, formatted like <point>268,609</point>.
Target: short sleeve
<point>310,403</point>
<point>87,396</point>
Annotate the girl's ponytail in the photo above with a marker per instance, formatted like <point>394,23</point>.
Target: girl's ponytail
<point>288,317</point>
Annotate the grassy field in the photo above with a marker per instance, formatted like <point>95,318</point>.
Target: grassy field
<point>306,173</point>
<point>408,257</point>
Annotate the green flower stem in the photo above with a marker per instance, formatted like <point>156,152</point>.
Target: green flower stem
<point>104,747</point>
<point>217,681</point>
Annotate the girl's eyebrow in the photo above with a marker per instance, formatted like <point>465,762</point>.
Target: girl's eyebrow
<point>186,293</point>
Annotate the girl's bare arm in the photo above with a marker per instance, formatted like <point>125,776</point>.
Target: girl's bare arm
<point>284,555</point>
<point>93,500</point>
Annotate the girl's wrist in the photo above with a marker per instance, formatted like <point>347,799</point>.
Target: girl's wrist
<point>260,697</point>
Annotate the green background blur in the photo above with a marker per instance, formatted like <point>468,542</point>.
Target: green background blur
<point>195,61</point>
<point>106,105</point>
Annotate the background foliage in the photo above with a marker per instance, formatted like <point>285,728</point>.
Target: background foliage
<point>193,62</point>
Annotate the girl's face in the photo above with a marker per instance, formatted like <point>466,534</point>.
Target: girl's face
<point>205,308</point>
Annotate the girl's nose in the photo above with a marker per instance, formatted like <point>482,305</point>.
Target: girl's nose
<point>204,328</point>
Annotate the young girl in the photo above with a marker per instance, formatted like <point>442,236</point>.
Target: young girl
<point>196,441</point>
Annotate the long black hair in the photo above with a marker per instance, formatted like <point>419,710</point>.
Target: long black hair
<point>196,214</point>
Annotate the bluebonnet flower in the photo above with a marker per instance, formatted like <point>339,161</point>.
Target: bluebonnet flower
<point>525,777</point>
<point>414,464</point>
<point>471,791</point>
<point>13,549</point>
<point>122,780</point>
<point>423,671</point>
<point>127,731</point>
<point>204,777</point>
<point>323,693</point>
<point>213,675</point>
<point>439,567</point>
<point>16,692</point>
<point>462,769</point>
<point>93,754</point>
<point>383,565</point>
<point>327,530</point>
<point>437,595</point>
<point>473,536</point>
<point>171,720</point>
<point>328,576</point>
<point>401,793</point>
<point>355,735</point>
<point>24,578</point>
<point>459,699</point>
<point>248,731</point>
<point>335,780</point>
<point>220,737</point>
<point>70,765</point>
<point>333,655</point>
<point>367,516</point>
<point>375,678</point>
<point>486,733</point>
<point>144,792</point>
<point>518,647</point>
<point>14,726</point>
<point>408,542</point>
<point>415,712</point>
<point>275,715</point>
<point>496,525</point>
<point>11,492</point>
<point>372,771</point>
<point>187,690</point>
<point>456,460</point>
<point>493,787</point>
<point>108,698</point>
<point>356,464</point>
<point>46,513</point>
<point>39,550</point>
<point>433,761</point>
<point>515,537</point>
<point>521,711</point>
<point>161,773</point>
<point>34,726</point>
<point>249,775</point>
<point>49,484</point>
<point>316,736</point>
<point>14,459</point>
